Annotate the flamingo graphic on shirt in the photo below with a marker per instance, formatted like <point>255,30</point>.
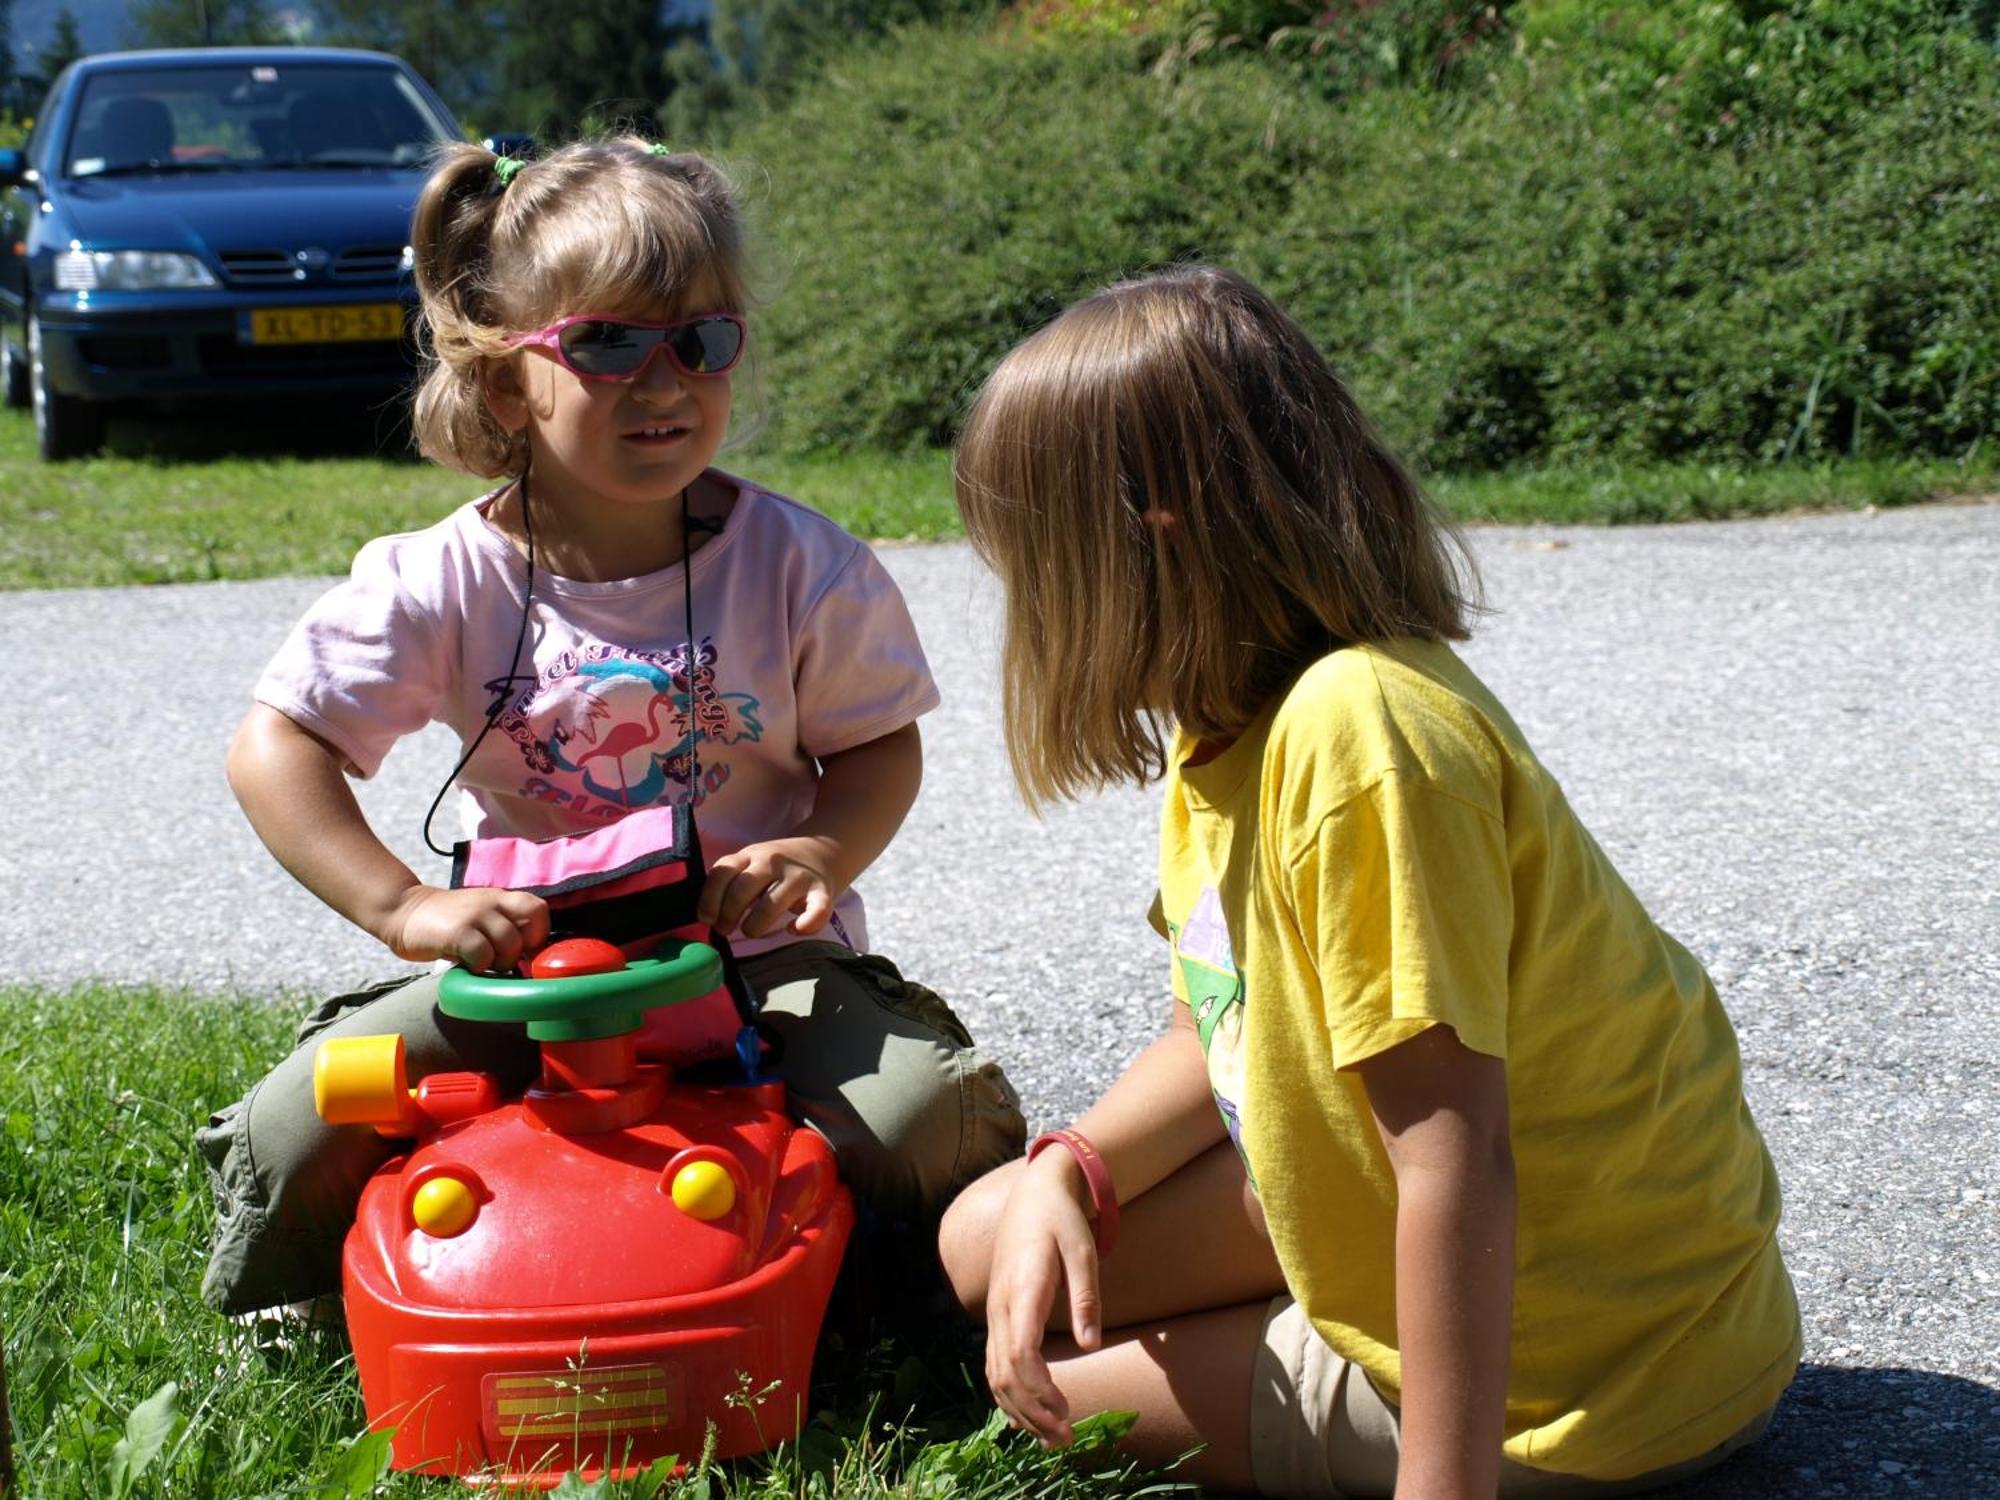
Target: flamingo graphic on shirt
<point>619,722</point>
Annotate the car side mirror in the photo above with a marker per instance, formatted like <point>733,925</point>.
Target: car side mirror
<point>13,166</point>
<point>511,143</point>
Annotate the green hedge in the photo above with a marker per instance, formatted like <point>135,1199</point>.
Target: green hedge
<point>1543,269</point>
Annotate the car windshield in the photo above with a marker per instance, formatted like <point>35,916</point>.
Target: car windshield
<point>242,118</point>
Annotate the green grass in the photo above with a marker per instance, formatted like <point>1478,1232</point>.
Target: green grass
<point>188,501</point>
<point>1628,494</point>
<point>123,1383</point>
<point>294,493</point>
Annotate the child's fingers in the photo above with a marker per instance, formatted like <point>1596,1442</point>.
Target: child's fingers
<point>709,907</point>
<point>1016,1370</point>
<point>1019,1380</point>
<point>793,891</point>
<point>771,906</point>
<point>1079,1257</point>
<point>815,911</point>
<point>1039,1405</point>
<point>530,915</point>
<point>473,950</point>
<point>494,931</point>
<point>728,894</point>
<point>481,945</point>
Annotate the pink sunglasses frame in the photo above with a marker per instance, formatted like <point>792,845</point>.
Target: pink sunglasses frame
<point>550,338</point>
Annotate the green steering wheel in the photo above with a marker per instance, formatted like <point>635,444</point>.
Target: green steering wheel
<point>585,1007</point>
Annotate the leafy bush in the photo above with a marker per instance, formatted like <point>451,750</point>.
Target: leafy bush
<point>1727,70</point>
<point>1579,283</point>
<point>935,199</point>
<point>1100,18</point>
<point>1541,270</point>
<point>1345,46</point>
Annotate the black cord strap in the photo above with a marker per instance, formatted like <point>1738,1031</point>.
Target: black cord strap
<point>502,687</point>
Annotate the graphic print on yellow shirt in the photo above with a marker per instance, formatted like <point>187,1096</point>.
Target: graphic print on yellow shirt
<point>1206,961</point>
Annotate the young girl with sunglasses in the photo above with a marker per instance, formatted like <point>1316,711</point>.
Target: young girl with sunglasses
<point>1441,1182</point>
<point>618,626</point>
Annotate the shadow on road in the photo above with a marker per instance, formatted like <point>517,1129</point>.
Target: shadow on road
<point>288,427</point>
<point>1868,1432</point>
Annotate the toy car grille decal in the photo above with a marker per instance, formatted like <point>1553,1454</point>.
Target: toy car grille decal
<point>563,1403</point>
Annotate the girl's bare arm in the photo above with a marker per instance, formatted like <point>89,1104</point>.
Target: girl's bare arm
<point>1155,1119</point>
<point>292,786</point>
<point>1442,1112</point>
<point>864,794</point>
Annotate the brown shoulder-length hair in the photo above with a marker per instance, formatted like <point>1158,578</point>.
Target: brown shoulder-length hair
<point>610,226</point>
<point>1185,509</point>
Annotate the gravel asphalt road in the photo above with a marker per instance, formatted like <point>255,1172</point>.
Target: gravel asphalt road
<point>1786,733</point>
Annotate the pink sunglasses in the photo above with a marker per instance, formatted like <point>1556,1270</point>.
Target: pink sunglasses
<point>592,347</point>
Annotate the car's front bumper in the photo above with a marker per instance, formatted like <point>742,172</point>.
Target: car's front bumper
<point>149,346</point>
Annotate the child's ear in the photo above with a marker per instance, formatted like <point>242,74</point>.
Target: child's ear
<point>500,385</point>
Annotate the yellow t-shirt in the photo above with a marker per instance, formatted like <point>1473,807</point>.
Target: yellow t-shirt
<point>1379,853</point>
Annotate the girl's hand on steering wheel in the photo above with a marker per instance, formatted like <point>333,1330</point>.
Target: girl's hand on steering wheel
<point>486,930</point>
<point>1044,1241</point>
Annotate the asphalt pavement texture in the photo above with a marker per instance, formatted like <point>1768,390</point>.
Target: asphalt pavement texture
<point>1786,733</point>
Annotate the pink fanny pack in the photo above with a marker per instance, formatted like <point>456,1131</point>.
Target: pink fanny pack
<point>632,883</point>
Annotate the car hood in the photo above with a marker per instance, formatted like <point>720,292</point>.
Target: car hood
<point>243,210</point>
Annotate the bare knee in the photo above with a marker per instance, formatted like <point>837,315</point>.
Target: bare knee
<point>965,1237</point>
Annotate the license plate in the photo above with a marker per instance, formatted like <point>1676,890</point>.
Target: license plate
<point>322,325</point>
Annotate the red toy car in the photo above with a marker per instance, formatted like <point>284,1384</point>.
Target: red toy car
<point>579,1279</point>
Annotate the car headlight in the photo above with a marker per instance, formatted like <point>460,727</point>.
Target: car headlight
<point>129,271</point>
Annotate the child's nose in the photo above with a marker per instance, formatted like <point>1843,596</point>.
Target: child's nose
<point>658,377</point>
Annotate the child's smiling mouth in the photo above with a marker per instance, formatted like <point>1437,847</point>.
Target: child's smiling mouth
<point>657,434</point>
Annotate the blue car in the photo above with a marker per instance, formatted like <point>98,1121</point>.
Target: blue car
<point>212,225</point>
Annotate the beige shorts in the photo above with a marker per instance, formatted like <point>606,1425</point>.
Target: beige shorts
<point>1319,1430</point>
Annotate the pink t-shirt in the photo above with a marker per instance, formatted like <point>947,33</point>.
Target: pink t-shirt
<point>803,648</point>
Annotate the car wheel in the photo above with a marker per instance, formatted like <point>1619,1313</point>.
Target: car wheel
<point>65,426</point>
<point>13,371</point>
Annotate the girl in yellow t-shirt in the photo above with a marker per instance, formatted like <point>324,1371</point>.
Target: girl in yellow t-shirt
<point>1441,1181</point>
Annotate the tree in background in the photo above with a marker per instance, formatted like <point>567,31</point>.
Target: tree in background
<point>552,70</point>
<point>64,48</point>
<point>203,23</point>
<point>581,66</point>
<point>764,48</point>
<point>451,45</point>
<point>10,89</point>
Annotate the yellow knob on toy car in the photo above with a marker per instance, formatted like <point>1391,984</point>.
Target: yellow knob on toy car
<point>704,1190</point>
<point>360,1080</point>
<point>443,1207</point>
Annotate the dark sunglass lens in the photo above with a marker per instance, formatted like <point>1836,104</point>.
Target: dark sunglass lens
<point>708,346</point>
<point>606,348</point>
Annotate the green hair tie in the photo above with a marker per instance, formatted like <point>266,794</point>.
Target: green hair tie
<point>505,167</point>
<point>659,148</point>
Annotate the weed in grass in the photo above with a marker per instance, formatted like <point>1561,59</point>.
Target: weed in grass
<point>124,1384</point>
<point>147,1429</point>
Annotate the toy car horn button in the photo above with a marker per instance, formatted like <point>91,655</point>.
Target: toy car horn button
<point>574,956</point>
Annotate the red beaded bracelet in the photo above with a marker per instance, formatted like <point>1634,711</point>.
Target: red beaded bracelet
<point>1096,1176</point>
